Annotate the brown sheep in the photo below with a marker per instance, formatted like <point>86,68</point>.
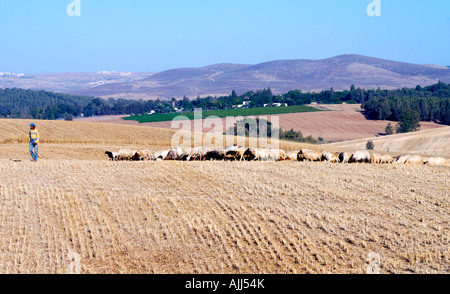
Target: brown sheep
<point>235,153</point>
<point>142,154</point>
<point>375,158</point>
<point>309,155</point>
<point>218,154</point>
<point>257,154</point>
<point>125,154</point>
<point>386,159</point>
<point>344,157</point>
<point>174,153</point>
<point>330,157</point>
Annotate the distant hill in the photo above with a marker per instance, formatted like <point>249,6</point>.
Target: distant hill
<point>281,76</point>
<point>67,82</point>
<point>339,72</point>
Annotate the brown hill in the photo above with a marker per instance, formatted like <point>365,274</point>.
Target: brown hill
<point>339,72</point>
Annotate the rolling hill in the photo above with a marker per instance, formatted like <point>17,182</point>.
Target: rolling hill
<point>432,142</point>
<point>339,72</point>
<point>68,82</point>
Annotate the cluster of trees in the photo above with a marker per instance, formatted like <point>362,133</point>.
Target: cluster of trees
<point>20,103</point>
<point>255,127</point>
<point>409,122</point>
<point>409,105</point>
<point>431,103</point>
<point>257,99</point>
<point>393,107</point>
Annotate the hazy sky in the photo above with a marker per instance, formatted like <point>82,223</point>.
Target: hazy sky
<point>38,36</point>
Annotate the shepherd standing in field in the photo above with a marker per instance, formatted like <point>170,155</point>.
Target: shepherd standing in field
<point>34,139</point>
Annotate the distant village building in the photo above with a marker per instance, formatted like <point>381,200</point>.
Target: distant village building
<point>275,105</point>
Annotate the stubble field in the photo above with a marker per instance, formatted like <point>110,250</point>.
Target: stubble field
<point>74,207</point>
<point>222,217</point>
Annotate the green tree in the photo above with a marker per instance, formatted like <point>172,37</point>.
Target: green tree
<point>409,122</point>
<point>389,129</point>
<point>233,94</point>
<point>370,145</point>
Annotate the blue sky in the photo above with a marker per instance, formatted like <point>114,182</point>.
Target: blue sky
<point>37,36</point>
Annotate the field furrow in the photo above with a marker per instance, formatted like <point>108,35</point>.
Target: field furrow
<point>222,217</point>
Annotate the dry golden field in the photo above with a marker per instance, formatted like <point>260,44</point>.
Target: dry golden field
<point>433,142</point>
<point>209,217</point>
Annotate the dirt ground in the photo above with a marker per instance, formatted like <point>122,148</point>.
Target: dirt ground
<point>222,217</point>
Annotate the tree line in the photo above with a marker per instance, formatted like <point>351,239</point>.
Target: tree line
<point>432,103</point>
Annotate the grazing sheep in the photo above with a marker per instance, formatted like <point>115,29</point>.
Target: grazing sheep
<point>435,161</point>
<point>375,158</point>
<point>185,155</point>
<point>218,154</point>
<point>277,154</point>
<point>309,155</point>
<point>330,157</point>
<point>414,159</point>
<point>386,159</point>
<point>292,155</point>
<point>234,153</point>
<point>174,154</point>
<point>143,154</point>
<point>409,159</point>
<point>257,154</point>
<point>188,153</point>
<point>360,156</point>
<point>113,156</point>
<point>125,154</point>
<point>401,159</point>
<point>195,154</point>
<point>250,154</point>
<point>344,157</point>
<point>159,155</point>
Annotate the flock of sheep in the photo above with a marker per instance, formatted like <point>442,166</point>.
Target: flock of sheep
<point>236,153</point>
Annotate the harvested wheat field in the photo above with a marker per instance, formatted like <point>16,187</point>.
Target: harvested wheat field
<point>222,217</point>
<point>434,142</point>
<point>211,217</point>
